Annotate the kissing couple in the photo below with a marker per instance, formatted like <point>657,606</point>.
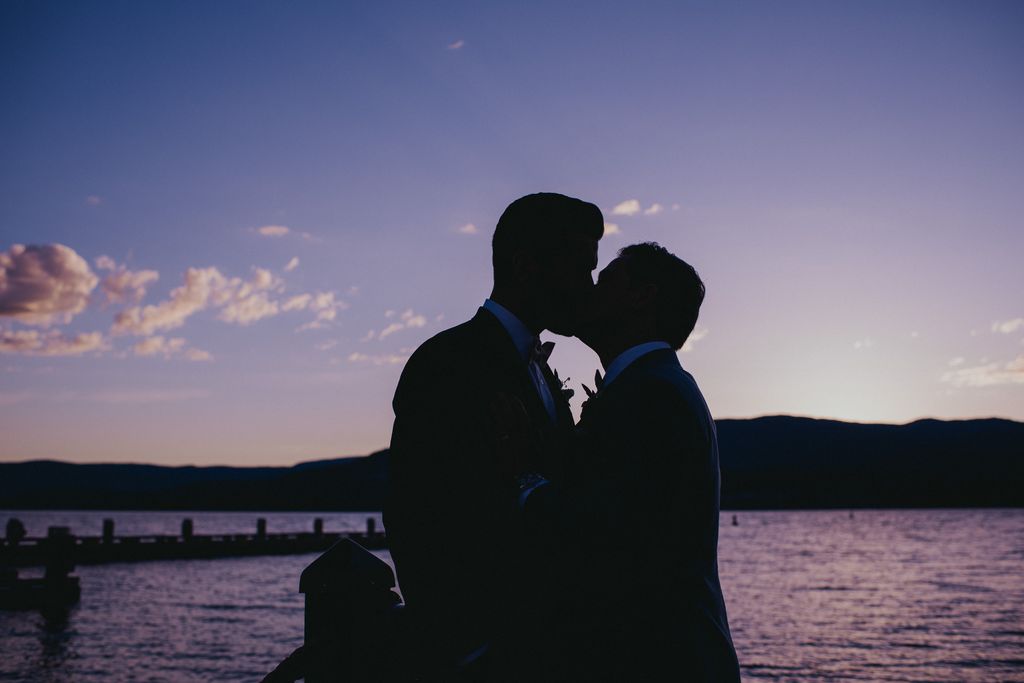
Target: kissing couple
<point>532,548</point>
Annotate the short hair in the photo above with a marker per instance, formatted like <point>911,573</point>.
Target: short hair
<point>680,289</point>
<point>542,221</point>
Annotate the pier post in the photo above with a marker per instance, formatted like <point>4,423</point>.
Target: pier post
<point>186,529</point>
<point>15,531</point>
<point>60,550</point>
<point>371,527</point>
<point>318,526</point>
<point>108,531</point>
<point>261,528</point>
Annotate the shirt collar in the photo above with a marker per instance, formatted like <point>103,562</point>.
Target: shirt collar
<point>523,339</point>
<point>624,359</point>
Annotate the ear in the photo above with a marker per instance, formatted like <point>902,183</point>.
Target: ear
<point>524,267</point>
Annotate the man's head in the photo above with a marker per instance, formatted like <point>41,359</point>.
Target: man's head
<point>646,294</point>
<point>543,252</point>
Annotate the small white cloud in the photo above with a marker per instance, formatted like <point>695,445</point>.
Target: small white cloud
<point>612,229</point>
<point>292,265</point>
<point>676,207</point>
<point>1008,326</point>
<point>959,360</point>
<point>457,45</point>
<point>408,318</point>
<point>369,336</point>
<point>468,229</point>
<point>273,230</point>
<point>168,348</point>
<point>990,374</point>
<point>327,345</point>
<point>695,336</point>
<point>52,343</point>
<point>866,343</point>
<point>654,209</point>
<point>391,329</point>
<point>380,359</point>
<point>630,207</point>
<point>121,285</point>
<point>150,346</point>
<point>297,303</point>
<point>326,308</point>
<point>915,334</point>
<point>93,200</point>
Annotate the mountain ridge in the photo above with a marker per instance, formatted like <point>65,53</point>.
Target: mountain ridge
<point>768,462</point>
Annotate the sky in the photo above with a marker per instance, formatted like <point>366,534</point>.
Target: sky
<point>225,226</point>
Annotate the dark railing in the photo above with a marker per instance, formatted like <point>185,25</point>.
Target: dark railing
<point>24,551</point>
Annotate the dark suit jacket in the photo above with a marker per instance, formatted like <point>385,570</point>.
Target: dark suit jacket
<point>453,534</point>
<point>636,528</point>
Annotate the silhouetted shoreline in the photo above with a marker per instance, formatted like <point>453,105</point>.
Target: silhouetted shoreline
<point>775,462</point>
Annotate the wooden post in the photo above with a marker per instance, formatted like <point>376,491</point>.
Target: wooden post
<point>371,527</point>
<point>108,531</point>
<point>318,526</point>
<point>186,529</point>
<point>349,607</point>
<point>261,528</point>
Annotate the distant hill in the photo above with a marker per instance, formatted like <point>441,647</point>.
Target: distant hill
<point>767,463</point>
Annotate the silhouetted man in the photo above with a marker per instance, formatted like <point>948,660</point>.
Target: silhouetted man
<point>635,521</point>
<point>453,537</point>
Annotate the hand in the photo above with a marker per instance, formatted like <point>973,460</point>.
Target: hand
<point>514,433</point>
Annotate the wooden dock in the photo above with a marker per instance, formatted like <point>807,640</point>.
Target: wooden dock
<point>23,551</point>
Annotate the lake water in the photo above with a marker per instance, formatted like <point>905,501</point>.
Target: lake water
<point>887,595</point>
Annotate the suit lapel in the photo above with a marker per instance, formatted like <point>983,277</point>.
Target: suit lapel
<point>506,359</point>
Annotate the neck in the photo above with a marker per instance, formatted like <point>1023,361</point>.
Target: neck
<point>616,340</point>
<point>516,303</point>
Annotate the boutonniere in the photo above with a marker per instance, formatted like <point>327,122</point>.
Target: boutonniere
<point>592,394</point>
<point>563,386</point>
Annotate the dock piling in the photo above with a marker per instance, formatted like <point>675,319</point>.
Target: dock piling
<point>186,529</point>
<point>108,531</point>
<point>261,529</point>
<point>318,526</point>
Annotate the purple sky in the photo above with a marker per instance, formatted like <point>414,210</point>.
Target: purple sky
<point>245,215</point>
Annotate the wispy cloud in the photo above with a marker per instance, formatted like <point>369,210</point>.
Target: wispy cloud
<point>121,285</point>
<point>44,284</point>
<point>986,375</point>
<point>630,207</point>
<point>959,360</point>
<point>324,306</point>
<point>695,336</point>
<point>52,343</point>
<point>865,343</point>
<point>1008,326</point>
<point>405,320</point>
<point>274,230</point>
<point>457,45</point>
<point>292,265</point>
<point>468,229</point>
<point>168,348</point>
<point>612,229</point>
<point>654,209</point>
<point>93,200</point>
<point>202,287</point>
<point>378,359</point>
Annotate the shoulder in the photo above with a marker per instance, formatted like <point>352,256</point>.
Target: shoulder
<point>442,358</point>
<point>661,387</point>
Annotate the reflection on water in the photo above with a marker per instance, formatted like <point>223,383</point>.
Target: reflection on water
<point>915,595</point>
